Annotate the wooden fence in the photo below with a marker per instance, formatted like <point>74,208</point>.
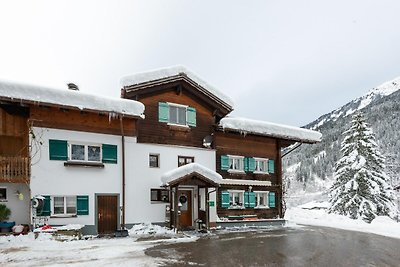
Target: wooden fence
<point>15,169</point>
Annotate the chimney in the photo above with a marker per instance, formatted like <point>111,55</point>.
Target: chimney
<point>72,86</point>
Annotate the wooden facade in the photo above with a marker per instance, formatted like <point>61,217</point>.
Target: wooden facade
<point>75,120</point>
<point>234,143</point>
<point>14,144</point>
<point>150,130</point>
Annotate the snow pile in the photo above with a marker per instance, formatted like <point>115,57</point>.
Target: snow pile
<point>69,98</point>
<point>188,169</point>
<point>315,205</point>
<point>244,125</point>
<point>148,229</point>
<point>381,225</point>
<point>163,73</point>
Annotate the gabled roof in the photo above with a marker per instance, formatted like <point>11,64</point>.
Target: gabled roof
<point>249,126</point>
<point>31,94</point>
<point>139,81</point>
<point>180,173</point>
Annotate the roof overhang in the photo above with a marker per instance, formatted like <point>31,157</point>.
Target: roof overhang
<point>287,133</point>
<point>69,99</point>
<point>191,171</point>
<point>141,83</point>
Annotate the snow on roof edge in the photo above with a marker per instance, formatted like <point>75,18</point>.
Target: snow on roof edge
<point>187,169</point>
<point>161,73</point>
<point>69,98</point>
<point>270,129</point>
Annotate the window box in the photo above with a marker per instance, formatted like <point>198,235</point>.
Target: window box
<point>83,164</point>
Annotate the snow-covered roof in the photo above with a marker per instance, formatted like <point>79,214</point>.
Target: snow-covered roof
<point>250,126</point>
<point>244,182</point>
<point>159,74</point>
<point>69,98</point>
<point>188,169</point>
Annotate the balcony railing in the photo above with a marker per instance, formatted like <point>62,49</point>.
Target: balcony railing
<point>15,169</point>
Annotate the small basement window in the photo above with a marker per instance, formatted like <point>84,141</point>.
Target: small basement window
<point>3,194</point>
<point>154,160</point>
<point>159,195</point>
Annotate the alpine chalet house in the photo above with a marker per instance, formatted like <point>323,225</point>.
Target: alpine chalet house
<point>197,166</point>
<point>75,145</point>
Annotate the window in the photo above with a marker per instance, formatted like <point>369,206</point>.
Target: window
<point>261,165</point>
<point>3,194</point>
<point>182,160</point>
<point>236,199</point>
<point>261,199</point>
<point>64,205</point>
<point>154,160</point>
<point>176,114</point>
<point>235,163</point>
<point>232,163</point>
<point>161,195</point>
<point>84,152</point>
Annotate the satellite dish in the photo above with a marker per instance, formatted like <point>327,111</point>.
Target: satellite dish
<point>207,141</point>
<point>37,203</point>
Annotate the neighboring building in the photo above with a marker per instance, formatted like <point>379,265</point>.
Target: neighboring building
<point>100,162</point>
<point>76,142</point>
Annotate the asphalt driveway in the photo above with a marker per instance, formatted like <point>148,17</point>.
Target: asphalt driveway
<point>306,246</point>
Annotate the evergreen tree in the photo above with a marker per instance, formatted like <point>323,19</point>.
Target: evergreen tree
<point>361,188</point>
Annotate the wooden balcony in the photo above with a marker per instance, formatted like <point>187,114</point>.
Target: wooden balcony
<point>15,169</point>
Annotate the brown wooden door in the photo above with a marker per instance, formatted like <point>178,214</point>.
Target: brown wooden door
<point>107,214</point>
<point>185,198</point>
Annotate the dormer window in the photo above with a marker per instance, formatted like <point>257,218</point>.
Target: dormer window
<point>176,114</point>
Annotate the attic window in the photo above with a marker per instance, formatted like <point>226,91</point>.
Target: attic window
<point>176,114</point>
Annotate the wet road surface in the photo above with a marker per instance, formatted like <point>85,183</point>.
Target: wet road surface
<point>306,246</point>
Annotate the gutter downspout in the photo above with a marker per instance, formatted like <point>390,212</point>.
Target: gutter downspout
<point>208,208</point>
<point>292,149</point>
<point>123,173</point>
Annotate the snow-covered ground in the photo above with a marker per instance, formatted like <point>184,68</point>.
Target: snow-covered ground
<point>128,251</point>
<point>305,214</point>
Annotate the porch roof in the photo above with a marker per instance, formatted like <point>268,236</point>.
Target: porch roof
<point>192,169</point>
<point>244,182</point>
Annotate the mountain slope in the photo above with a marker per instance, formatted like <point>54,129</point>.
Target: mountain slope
<point>309,169</point>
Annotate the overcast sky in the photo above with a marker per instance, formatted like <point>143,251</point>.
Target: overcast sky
<point>280,61</point>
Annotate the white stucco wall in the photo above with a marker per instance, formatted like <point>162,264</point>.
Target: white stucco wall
<point>140,178</point>
<point>19,208</point>
<point>51,177</point>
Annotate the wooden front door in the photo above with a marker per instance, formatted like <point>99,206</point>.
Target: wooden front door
<point>107,214</point>
<point>185,198</point>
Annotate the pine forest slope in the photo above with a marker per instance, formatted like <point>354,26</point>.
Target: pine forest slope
<point>309,168</point>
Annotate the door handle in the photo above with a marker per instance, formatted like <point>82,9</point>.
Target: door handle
<point>99,216</point>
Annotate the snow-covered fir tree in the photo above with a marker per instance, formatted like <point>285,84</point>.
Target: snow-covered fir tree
<point>362,188</point>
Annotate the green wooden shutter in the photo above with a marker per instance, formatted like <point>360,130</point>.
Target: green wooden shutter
<point>246,164</point>
<point>224,162</point>
<point>46,209</point>
<point>225,199</point>
<point>271,199</point>
<point>252,164</point>
<point>249,199</point>
<point>163,112</point>
<point>58,149</point>
<point>191,116</point>
<point>82,205</point>
<point>252,199</point>
<point>271,166</point>
<point>110,154</point>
